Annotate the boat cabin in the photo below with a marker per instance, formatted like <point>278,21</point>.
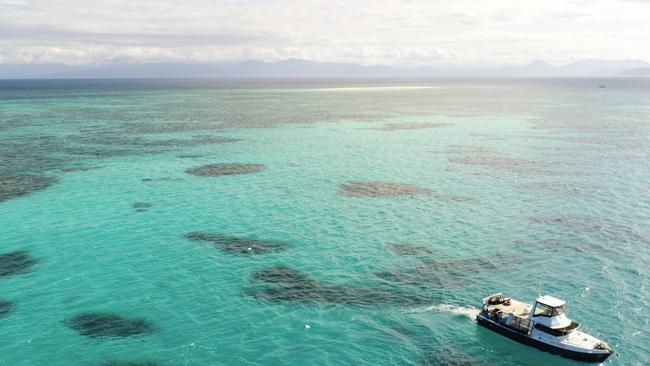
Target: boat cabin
<point>549,316</point>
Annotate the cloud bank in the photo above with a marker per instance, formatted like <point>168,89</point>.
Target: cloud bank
<point>391,32</point>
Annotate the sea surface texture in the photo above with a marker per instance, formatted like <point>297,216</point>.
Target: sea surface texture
<point>225,222</point>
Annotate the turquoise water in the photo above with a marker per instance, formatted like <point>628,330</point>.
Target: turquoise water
<point>526,186</point>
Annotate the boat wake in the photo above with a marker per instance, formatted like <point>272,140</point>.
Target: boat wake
<point>471,313</point>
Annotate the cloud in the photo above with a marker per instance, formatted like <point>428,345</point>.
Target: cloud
<point>415,32</point>
<point>13,5</point>
<point>149,39</point>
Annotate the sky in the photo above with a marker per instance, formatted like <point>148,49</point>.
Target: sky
<point>390,32</point>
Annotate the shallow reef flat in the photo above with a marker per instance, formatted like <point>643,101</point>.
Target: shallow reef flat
<point>16,185</point>
<point>237,244</point>
<point>412,126</point>
<point>292,286</point>
<point>497,161</point>
<point>268,222</point>
<point>380,189</point>
<point>142,206</point>
<point>436,273</point>
<point>108,325</point>
<point>5,307</point>
<point>16,263</point>
<point>216,170</point>
<point>410,249</point>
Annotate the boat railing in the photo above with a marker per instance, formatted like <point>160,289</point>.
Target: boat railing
<point>522,325</point>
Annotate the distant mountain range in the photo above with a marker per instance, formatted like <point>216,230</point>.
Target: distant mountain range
<point>294,68</point>
<point>636,71</point>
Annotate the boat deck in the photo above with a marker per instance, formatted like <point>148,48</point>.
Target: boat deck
<point>517,308</point>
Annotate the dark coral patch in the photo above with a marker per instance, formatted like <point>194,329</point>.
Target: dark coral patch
<point>78,169</point>
<point>380,189</point>
<point>411,126</point>
<point>575,223</point>
<point>119,140</point>
<point>93,152</point>
<point>142,206</point>
<point>107,325</point>
<point>309,293</point>
<point>167,127</point>
<point>161,179</point>
<point>216,170</point>
<point>282,275</point>
<point>435,273</point>
<point>16,185</point>
<point>202,140</point>
<point>237,244</point>
<point>15,263</point>
<point>478,156</point>
<point>289,285</point>
<point>455,198</point>
<point>565,188</point>
<point>5,307</point>
<point>409,249</point>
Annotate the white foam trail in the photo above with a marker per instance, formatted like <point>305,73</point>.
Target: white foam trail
<point>460,310</point>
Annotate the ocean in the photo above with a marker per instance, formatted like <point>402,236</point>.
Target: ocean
<point>318,222</point>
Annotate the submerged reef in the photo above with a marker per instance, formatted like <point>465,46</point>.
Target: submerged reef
<point>94,152</point>
<point>282,275</point>
<point>142,206</point>
<point>119,140</point>
<point>78,169</point>
<point>600,228</point>
<point>290,285</point>
<point>101,325</point>
<point>237,244</point>
<point>409,249</point>
<point>200,140</point>
<point>412,126</point>
<point>216,170</point>
<point>15,263</point>
<point>167,127</point>
<point>478,156</point>
<point>5,307</point>
<point>448,357</point>
<point>16,185</point>
<point>436,273</point>
<point>574,223</point>
<point>560,188</point>
<point>380,189</point>
<point>454,198</point>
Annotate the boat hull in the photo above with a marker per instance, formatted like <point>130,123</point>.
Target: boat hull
<point>524,339</point>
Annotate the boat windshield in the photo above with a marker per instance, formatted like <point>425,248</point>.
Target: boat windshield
<point>556,332</point>
<point>545,310</point>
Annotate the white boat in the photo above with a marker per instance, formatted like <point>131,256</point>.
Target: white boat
<point>543,325</point>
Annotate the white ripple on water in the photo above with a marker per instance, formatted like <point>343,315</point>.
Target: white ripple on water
<point>459,310</point>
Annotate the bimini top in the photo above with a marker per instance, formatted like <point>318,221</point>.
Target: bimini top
<point>550,301</point>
